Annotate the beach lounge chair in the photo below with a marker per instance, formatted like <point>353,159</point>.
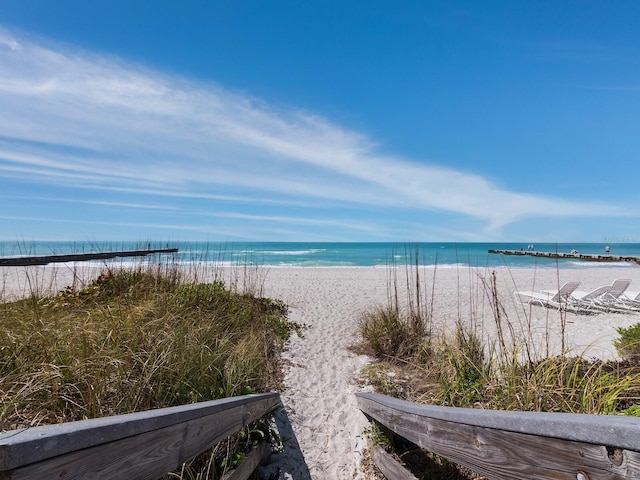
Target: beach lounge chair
<point>556,299</point>
<point>632,298</point>
<point>626,301</point>
<point>618,287</point>
<point>629,302</point>
<point>614,297</point>
<point>589,301</point>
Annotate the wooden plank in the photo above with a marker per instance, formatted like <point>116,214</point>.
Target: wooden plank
<point>78,257</point>
<point>259,454</point>
<point>31,445</point>
<point>505,454</point>
<point>388,465</point>
<point>145,456</point>
<point>142,457</point>
<point>615,430</point>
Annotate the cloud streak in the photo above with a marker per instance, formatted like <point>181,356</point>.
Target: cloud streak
<point>73,116</point>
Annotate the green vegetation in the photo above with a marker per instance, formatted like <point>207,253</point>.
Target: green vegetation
<point>135,340</point>
<point>462,370</point>
<point>628,345</point>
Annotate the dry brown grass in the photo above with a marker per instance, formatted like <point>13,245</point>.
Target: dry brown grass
<point>135,339</point>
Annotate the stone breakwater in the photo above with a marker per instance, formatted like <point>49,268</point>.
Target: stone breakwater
<point>78,257</point>
<point>589,257</point>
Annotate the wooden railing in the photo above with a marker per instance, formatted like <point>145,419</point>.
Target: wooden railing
<point>513,445</point>
<point>137,446</point>
<point>498,444</point>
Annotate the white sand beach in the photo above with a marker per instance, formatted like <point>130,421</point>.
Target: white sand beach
<point>320,380</point>
<point>326,440</point>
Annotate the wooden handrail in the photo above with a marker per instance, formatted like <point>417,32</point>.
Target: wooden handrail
<point>516,445</point>
<point>142,445</point>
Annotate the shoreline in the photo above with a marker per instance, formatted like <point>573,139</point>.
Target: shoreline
<point>340,254</point>
<point>321,372</point>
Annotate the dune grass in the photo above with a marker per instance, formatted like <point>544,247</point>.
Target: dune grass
<point>135,339</point>
<point>509,371</point>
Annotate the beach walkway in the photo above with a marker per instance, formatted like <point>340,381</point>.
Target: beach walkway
<point>327,438</point>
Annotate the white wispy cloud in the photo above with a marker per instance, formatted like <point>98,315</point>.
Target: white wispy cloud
<point>185,213</point>
<point>71,115</point>
<point>158,226</point>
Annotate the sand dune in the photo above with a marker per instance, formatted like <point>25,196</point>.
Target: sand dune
<point>321,377</point>
<point>323,426</point>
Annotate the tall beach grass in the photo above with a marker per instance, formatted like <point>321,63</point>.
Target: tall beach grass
<point>486,358</point>
<point>122,338</point>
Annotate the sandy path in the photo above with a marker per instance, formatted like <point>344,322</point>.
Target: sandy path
<point>319,381</point>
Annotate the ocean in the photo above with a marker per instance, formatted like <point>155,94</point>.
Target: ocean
<point>326,254</point>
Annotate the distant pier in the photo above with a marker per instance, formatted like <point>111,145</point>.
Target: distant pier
<point>78,257</point>
<point>588,257</point>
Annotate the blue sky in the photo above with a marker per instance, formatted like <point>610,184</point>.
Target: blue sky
<point>321,120</point>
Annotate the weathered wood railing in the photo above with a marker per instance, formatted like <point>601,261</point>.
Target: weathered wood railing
<point>515,445</point>
<point>144,445</point>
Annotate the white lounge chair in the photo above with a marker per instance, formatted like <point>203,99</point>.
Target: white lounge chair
<point>632,298</point>
<point>589,301</point>
<point>618,287</point>
<point>629,302</point>
<point>556,299</point>
<point>614,299</point>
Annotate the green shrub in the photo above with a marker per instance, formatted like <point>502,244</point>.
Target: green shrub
<point>628,345</point>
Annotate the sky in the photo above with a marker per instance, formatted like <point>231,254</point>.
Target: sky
<point>320,121</point>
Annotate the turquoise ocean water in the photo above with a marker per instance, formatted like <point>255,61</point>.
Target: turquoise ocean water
<point>321,254</point>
